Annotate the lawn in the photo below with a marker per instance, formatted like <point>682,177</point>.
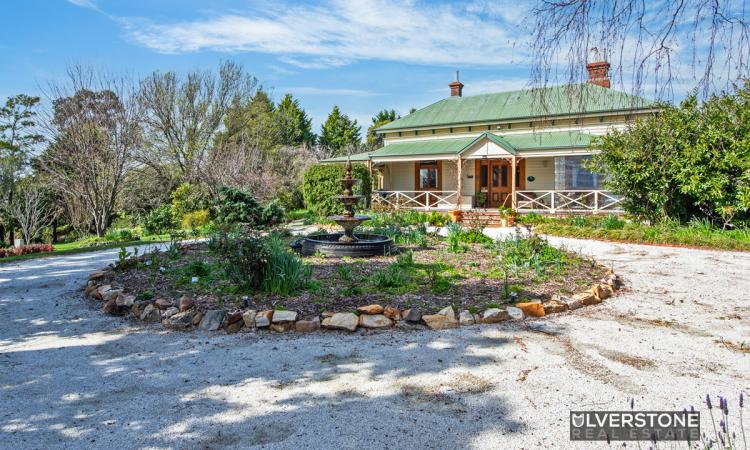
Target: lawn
<point>87,245</point>
<point>697,233</point>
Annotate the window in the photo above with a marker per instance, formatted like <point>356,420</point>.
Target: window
<point>428,175</point>
<point>504,176</point>
<point>571,174</point>
<point>495,176</point>
<point>483,171</point>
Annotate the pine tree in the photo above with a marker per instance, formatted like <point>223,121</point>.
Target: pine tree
<point>383,117</point>
<point>339,133</point>
<point>295,125</point>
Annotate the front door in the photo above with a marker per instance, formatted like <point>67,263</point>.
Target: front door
<point>494,181</point>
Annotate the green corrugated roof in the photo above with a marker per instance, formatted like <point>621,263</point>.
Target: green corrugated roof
<point>514,143</point>
<point>357,157</point>
<point>522,104</point>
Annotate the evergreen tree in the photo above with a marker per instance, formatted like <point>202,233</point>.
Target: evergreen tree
<point>295,125</point>
<point>339,133</point>
<point>383,117</point>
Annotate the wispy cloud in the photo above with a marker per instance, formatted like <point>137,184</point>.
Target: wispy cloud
<point>91,4</point>
<point>337,32</point>
<point>309,90</point>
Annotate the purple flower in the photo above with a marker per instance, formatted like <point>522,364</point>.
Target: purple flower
<point>723,425</point>
<point>632,402</point>
<point>708,401</point>
<point>742,400</point>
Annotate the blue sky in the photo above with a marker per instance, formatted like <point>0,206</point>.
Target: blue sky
<point>360,55</point>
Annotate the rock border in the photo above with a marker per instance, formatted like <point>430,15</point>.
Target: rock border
<point>181,314</point>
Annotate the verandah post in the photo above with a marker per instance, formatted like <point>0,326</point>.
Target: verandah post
<point>513,183</point>
<point>459,165</point>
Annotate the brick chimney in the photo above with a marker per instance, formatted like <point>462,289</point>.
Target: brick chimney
<point>598,69</point>
<point>457,87</point>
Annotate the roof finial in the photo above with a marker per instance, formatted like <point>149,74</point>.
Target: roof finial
<point>457,76</point>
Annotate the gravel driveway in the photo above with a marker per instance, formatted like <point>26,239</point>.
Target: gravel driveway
<point>73,378</point>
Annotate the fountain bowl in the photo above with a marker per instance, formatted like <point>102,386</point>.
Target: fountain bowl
<point>329,244</point>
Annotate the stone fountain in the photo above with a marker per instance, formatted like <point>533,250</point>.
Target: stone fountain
<point>347,243</point>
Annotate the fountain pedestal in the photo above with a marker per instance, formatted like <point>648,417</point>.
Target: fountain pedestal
<point>347,243</point>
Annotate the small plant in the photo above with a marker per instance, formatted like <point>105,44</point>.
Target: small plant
<point>612,222</point>
<point>405,259</point>
<point>438,282</point>
<point>454,238</point>
<point>345,272</point>
<point>284,272</point>
<point>244,255</point>
<point>126,259</point>
<point>391,277</point>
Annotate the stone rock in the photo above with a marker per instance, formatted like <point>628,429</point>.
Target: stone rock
<point>413,315</point>
<point>169,312</point>
<point>109,306</point>
<point>307,325</point>
<point>606,291</point>
<point>234,327</point>
<point>212,319</point>
<point>137,309</point>
<point>180,321</point>
<point>263,318</point>
<point>574,304</point>
<point>90,290</point>
<point>234,317</point>
<point>344,321</point>
<point>392,313</point>
<point>326,323</point>
<point>150,314</point>
<point>370,309</point>
<point>110,294</point>
<point>99,274</point>
<point>125,300</point>
<point>186,302</point>
<point>554,306</point>
<point>100,290</point>
<point>374,321</point>
<point>284,316</point>
<point>514,313</point>
<point>281,327</point>
<point>495,315</point>
<point>531,309</point>
<point>586,298</point>
<point>249,318</point>
<point>163,303</point>
<point>197,317</point>
<point>448,312</point>
<point>325,314</point>
<point>439,321</point>
<point>466,318</point>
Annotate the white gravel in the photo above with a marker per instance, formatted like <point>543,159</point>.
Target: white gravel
<point>73,378</point>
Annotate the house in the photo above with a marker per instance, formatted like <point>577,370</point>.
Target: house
<point>524,149</point>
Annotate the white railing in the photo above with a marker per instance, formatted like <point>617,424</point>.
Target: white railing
<point>572,201</point>
<point>426,200</point>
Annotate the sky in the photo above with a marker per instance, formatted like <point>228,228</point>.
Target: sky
<point>363,55</point>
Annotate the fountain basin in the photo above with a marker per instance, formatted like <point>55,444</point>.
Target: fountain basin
<point>364,245</point>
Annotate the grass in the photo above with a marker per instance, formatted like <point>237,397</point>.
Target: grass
<point>696,233</point>
<point>84,246</point>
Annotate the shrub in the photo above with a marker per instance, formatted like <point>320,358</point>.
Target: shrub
<point>25,250</point>
<point>196,219</point>
<point>612,222</point>
<point>390,277</point>
<point>530,253</point>
<point>437,219</point>
<point>273,213</point>
<point>244,255</point>
<point>238,206</point>
<point>454,238</point>
<point>322,181</point>
<point>284,272</point>
<point>159,221</point>
<point>118,235</point>
<point>188,198</point>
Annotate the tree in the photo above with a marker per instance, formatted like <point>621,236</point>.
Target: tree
<point>295,125</point>
<point>339,135</point>
<point>94,130</point>
<point>383,117</point>
<point>656,43</point>
<point>183,116</point>
<point>18,137</point>
<point>688,161</point>
<point>33,210</point>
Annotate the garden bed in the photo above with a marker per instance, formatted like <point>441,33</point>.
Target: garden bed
<point>467,272</point>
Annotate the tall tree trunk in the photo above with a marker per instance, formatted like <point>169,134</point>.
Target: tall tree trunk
<point>54,231</point>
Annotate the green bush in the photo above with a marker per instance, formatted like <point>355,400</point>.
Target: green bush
<point>322,181</point>
<point>159,221</point>
<point>273,213</point>
<point>454,238</point>
<point>118,235</point>
<point>238,206</point>
<point>188,198</point>
<point>244,255</point>
<point>196,219</point>
<point>530,253</point>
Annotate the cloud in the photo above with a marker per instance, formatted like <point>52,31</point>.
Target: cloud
<point>338,32</point>
<point>309,90</point>
<point>91,4</point>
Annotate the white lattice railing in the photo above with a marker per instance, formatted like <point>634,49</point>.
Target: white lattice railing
<point>426,200</point>
<point>568,201</point>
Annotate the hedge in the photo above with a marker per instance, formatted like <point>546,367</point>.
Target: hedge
<point>322,181</point>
